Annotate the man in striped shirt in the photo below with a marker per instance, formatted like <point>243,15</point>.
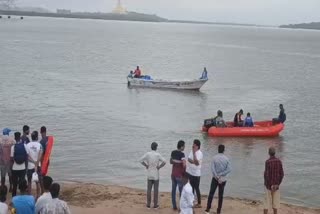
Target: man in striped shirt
<point>273,176</point>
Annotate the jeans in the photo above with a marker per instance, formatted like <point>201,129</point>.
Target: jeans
<point>176,181</point>
<point>214,185</point>
<point>17,177</point>
<point>195,183</point>
<point>154,183</point>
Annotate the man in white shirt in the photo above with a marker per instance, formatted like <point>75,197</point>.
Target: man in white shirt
<point>34,150</point>
<point>220,169</point>
<point>56,206</point>
<point>46,197</point>
<point>187,197</point>
<point>194,169</point>
<point>153,161</point>
<point>19,157</point>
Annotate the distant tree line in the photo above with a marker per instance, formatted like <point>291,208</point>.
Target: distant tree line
<point>312,25</point>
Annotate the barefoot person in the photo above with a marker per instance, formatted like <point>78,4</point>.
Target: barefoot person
<point>6,142</point>
<point>34,150</point>
<point>220,169</point>
<point>153,161</point>
<point>19,157</point>
<point>187,197</point>
<point>273,176</point>
<point>178,167</point>
<point>194,169</point>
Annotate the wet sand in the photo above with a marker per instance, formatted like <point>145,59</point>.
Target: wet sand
<point>92,198</point>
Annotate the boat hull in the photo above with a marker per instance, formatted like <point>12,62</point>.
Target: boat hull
<point>182,85</point>
<point>261,129</point>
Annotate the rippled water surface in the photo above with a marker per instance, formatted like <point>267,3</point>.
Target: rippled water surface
<point>70,75</point>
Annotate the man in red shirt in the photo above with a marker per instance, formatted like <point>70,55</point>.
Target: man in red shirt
<point>273,176</point>
<point>137,73</point>
<point>178,169</point>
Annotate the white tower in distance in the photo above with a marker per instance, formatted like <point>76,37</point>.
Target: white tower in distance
<point>119,9</point>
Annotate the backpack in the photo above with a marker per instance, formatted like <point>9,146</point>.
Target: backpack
<point>20,153</point>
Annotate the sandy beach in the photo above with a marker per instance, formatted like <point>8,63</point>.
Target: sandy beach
<point>85,198</point>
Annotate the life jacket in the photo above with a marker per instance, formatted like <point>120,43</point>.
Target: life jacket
<point>248,122</point>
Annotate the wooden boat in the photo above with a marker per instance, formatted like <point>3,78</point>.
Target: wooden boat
<point>260,129</point>
<point>195,84</point>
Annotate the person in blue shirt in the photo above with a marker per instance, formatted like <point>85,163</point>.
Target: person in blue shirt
<point>204,74</point>
<point>221,168</point>
<point>248,122</point>
<point>24,203</point>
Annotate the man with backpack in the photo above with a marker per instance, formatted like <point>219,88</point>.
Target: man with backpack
<point>19,156</point>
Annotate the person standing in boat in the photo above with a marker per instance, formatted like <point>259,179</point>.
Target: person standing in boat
<point>204,75</point>
<point>237,119</point>
<point>153,161</point>
<point>282,116</point>
<point>248,121</point>
<point>137,73</point>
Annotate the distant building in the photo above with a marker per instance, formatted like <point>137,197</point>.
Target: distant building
<point>119,9</point>
<point>63,11</point>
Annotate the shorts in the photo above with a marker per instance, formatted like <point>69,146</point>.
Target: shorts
<point>271,199</point>
<point>5,169</point>
<point>30,173</point>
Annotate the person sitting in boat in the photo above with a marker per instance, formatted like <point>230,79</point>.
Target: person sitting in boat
<point>137,73</point>
<point>282,116</point>
<point>220,123</point>
<point>237,119</point>
<point>248,121</point>
<point>130,74</point>
<point>204,75</point>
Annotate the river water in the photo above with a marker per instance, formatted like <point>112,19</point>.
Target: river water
<point>70,75</point>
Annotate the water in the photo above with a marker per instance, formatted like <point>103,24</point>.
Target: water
<point>70,74</point>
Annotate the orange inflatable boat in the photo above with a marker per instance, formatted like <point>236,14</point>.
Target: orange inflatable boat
<point>260,129</point>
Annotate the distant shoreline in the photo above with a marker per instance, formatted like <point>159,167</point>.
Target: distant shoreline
<point>130,16</point>
<point>308,26</point>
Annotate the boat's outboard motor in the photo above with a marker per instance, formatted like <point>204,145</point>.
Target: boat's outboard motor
<point>209,123</point>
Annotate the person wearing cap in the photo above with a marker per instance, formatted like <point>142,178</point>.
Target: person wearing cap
<point>153,161</point>
<point>237,119</point>
<point>6,142</point>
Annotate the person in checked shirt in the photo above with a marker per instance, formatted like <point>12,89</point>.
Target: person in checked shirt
<point>273,176</point>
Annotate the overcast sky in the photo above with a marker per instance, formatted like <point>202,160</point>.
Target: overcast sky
<point>270,12</point>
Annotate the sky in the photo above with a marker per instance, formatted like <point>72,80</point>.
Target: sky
<point>266,12</point>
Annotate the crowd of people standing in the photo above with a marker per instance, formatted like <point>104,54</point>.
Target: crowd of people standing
<point>20,159</point>
<point>186,176</point>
